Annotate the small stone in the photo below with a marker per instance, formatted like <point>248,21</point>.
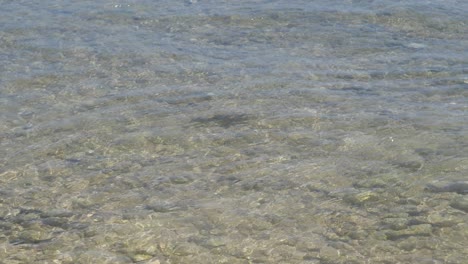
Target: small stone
<point>446,220</point>
<point>185,249</point>
<point>329,254</point>
<point>358,235</point>
<point>460,203</point>
<point>395,223</point>
<point>460,187</point>
<point>140,257</point>
<point>33,236</point>
<point>408,244</point>
<point>361,197</point>
<point>182,179</point>
<point>259,256</point>
<point>215,242</point>
<point>380,235</point>
<point>4,212</point>
<point>56,222</point>
<point>414,45</point>
<point>371,183</point>
<point>416,230</point>
<point>163,207</point>
<point>57,213</point>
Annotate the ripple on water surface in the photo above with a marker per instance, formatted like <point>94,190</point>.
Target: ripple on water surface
<point>196,132</point>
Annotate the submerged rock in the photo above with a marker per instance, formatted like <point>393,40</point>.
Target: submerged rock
<point>416,230</point>
<point>460,187</point>
<point>32,236</point>
<point>223,120</point>
<point>361,197</point>
<point>460,204</point>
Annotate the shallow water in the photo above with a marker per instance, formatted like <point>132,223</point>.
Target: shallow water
<point>243,132</point>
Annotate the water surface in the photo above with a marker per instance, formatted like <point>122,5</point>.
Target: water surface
<point>243,132</point>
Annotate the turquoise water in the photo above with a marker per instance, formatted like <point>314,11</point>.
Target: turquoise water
<point>243,132</point>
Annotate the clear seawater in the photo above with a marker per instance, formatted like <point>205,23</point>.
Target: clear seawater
<point>263,131</point>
